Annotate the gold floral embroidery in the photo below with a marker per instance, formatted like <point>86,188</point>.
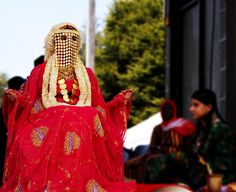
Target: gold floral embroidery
<point>98,126</point>
<point>37,106</point>
<point>72,142</point>
<point>38,135</point>
<point>93,186</point>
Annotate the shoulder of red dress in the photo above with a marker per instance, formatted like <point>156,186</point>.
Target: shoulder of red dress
<point>37,70</point>
<point>89,70</point>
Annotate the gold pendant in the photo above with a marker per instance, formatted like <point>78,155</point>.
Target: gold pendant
<point>61,81</point>
<point>63,86</point>
<point>75,86</point>
<point>64,92</point>
<point>66,98</point>
<point>73,91</point>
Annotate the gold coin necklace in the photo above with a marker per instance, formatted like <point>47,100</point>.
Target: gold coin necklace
<point>75,87</point>
<point>64,91</point>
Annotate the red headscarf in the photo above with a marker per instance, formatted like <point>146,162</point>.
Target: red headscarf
<point>181,125</point>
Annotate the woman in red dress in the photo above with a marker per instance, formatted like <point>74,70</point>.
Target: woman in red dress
<point>62,135</point>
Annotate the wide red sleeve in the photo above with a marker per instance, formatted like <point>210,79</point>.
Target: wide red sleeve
<point>12,106</point>
<point>116,110</point>
<point>17,105</point>
<point>119,107</point>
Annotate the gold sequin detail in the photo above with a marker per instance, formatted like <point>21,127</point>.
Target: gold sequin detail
<point>62,81</point>
<point>37,106</point>
<point>98,126</point>
<point>67,45</point>
<point>72,142</point>
<point>38,135</point>
<point>93,186</point>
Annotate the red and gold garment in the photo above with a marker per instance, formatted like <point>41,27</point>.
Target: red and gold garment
<point>64,147</point>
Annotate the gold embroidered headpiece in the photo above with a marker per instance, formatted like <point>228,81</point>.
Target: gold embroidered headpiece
<point>59,29</point>
<point>62,55</point>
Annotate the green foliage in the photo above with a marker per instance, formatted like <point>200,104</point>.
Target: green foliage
<point>3,85</point>
<point>130,54</point>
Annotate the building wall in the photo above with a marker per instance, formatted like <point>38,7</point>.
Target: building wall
<point>197,51</point>
<point>231,62</point>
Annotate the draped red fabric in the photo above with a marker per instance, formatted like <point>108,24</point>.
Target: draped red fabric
<point>185,127</point>
<point>64,148</point>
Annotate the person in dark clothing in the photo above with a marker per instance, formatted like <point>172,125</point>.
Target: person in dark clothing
<point>213,145</point>
<point>163,156</point>
<point>15,82</point>
<point>164,161</point>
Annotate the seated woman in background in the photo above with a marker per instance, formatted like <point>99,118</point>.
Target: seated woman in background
<point>164,160</point>
<point>167,138</point>
<point>213,144</point>
<point>62,135</point>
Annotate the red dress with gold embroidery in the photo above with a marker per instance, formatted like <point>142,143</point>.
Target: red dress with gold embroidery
<point>66,147</point>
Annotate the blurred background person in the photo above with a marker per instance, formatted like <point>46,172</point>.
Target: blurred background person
<point>13,83</point>
<point>39,60</point>
<point>213,144</point>
<point>162,158</point>
<point>165,161</point>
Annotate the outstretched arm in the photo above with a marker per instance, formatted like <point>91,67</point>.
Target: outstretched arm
<point>120,105</point>
<point>13,103</point>
<point>118,108</point>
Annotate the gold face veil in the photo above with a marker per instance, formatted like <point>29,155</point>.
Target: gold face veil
<point>67,46</point>
<point>62,55</point>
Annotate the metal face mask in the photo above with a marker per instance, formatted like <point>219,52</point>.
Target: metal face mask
<point>67,45</point>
